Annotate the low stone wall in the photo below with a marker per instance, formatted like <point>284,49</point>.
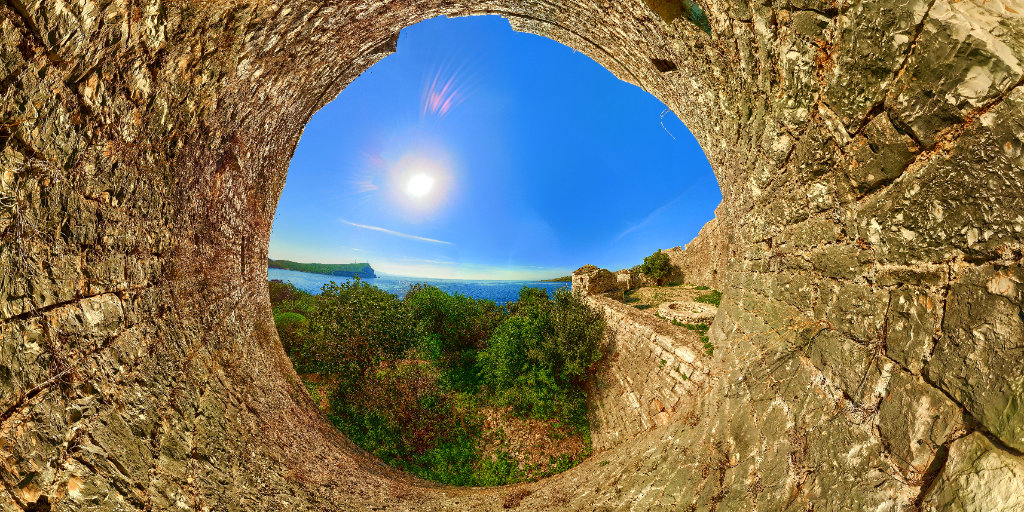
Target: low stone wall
<point>653,372</point>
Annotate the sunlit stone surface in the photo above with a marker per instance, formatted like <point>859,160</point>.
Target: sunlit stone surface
<point>869,245</point>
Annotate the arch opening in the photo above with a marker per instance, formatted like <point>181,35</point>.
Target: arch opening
<point>868,247</point>
<point>516,177</point>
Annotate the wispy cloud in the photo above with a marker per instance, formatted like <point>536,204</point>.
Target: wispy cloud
<point>396,233</point>
<point>460,270</point>
<point>439,262</point>
<point>651,216</point>
<point>366,185</point>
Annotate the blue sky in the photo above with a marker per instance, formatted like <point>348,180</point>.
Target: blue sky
<point>481,153</point>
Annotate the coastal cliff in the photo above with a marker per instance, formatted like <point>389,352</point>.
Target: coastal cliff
<point>361,270</point>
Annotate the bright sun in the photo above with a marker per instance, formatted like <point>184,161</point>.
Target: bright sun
<point>419,185</point>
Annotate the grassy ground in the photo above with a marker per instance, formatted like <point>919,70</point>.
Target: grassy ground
<point>654,296</point>
<point>648,299</point>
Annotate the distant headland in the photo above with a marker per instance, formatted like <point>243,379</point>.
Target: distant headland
<point>563,279</point>
<point>363,270</point>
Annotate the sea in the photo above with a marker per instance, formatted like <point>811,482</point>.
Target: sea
<point>498,291</point>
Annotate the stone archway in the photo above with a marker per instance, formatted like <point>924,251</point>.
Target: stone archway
<point>869,246</point>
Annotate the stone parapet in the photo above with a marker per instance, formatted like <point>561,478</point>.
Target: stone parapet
<point>652,373</point>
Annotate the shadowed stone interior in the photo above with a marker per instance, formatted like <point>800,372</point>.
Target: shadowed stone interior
<point>869,247</point>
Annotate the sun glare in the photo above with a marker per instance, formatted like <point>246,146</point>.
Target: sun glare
<point>419,185</point>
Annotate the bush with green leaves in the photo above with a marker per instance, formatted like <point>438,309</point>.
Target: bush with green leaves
<point>292,329</point>
<point>292,307</point>
<point>459,321</point>
<point>714,297</point>
<point>353,327</point>
<point>284,297</point>
<point>657,267</point>
<point>407,377</point>
<point>537,359</point>
<point>404,416</point>
<point>451,328</point>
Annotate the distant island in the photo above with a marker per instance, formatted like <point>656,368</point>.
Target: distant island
<point>563,279</point>
<point>362,270</point>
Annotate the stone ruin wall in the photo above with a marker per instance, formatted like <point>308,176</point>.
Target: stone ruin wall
<point>866,350</point>
<point>703,261</point>
<point>652,373</point>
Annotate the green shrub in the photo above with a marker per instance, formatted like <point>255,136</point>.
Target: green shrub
<point>284,297</point>
<point>656,266</point>
<point>407,377</point>
<point>355,326</point>
<point>533,302</point>
<point>281,291</point>
<point>506,359</point>
<point>577,331</point>
<point>714,297</point>
<point>499,470</point>
<point>406,418</point>
<point>292,329</point>
<point>460,322</point>
<point>537,360</point>
<point>450,329</point>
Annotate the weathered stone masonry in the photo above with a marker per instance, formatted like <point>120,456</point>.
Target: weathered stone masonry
<point>653,370</point>
<point>869,244</point>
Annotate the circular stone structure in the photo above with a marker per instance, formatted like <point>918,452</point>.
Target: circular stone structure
<point>869,246</point>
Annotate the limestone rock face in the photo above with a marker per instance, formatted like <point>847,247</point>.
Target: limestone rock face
<point>868,246</point>
<point>702,259</point>
<point>978,477</point>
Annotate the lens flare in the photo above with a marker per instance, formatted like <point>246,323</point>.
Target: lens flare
<point>444,92</point>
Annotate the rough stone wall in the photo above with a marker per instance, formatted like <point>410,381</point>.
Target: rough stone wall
<point>589,280</point>
<point>653,372</point>
<point>867,347</point>
<point>703,261</point>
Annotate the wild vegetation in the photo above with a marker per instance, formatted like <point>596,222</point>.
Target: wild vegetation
<point>657,267</point>
<point>701,329</point>
<point>443,385</point>
<point>714,297</point>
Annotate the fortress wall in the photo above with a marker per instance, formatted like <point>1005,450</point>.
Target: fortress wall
<point>702,261</point>
<point>653,373</point>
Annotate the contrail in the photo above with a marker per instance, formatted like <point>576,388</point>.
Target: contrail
<point>396,233</point>
<point>657,211</point>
